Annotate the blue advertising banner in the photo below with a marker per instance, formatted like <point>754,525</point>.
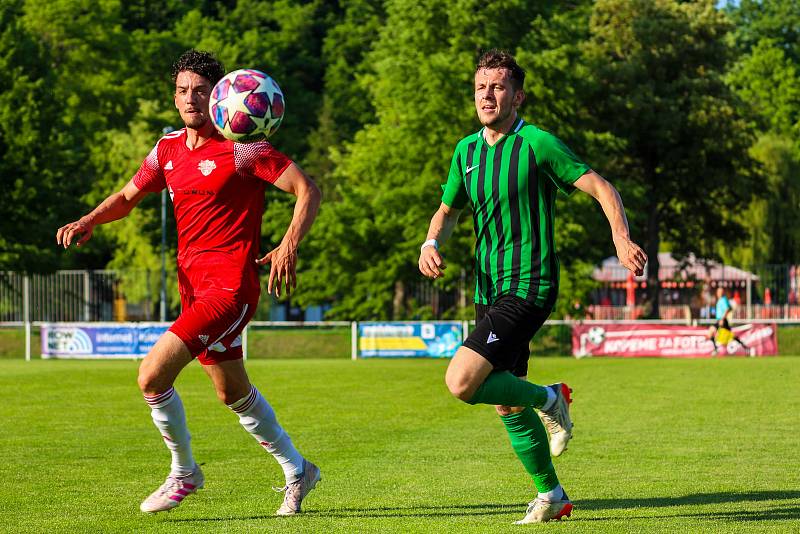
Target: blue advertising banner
<point>438,339</point>
<point>100,340</point>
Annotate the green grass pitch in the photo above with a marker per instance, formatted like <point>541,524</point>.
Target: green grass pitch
<point>660,446</point>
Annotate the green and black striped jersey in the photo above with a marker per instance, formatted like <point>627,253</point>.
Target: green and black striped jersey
<point>511,186</point>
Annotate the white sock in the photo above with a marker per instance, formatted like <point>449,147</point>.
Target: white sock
<point>258,418</point>
<point>170,419</point>
<point>551,399</point>
<point>555,494</point>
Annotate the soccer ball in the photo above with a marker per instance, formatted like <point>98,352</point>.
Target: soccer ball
<point>246,105</point>
<point>596,335</point>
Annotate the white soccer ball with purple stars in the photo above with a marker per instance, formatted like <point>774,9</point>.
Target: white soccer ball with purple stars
<point>246,105</point>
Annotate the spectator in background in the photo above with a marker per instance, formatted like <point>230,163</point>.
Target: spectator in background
<point>696,305</point>
<point>723,310</point>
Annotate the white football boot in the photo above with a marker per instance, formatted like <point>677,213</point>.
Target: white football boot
<point>542,511</point>
<point>173,491</point>
<point>557,419</point>
<point>296,491</point>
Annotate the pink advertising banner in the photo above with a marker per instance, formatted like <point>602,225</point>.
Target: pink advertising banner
<point>634,340</point>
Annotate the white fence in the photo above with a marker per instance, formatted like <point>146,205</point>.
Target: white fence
<point>105,295</point>
<point>78,295</point>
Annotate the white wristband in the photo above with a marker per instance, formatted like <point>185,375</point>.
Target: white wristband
<point>430,243</point>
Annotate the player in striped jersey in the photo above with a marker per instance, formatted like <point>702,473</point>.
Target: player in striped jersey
<point>509,173</point>
<point>217,189</point>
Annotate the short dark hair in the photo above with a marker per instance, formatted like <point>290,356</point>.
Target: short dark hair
<point>202,63</point>
<point>500,59</point>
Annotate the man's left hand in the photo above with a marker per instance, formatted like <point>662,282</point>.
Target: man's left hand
<point>283,268</point>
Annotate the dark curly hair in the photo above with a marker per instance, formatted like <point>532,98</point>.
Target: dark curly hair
<point>500,59</point>
<point>202,63</point>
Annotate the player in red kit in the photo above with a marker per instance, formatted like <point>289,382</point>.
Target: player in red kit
<point>217,188</point>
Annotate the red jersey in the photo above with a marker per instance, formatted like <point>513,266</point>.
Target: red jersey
<point>217,191</point>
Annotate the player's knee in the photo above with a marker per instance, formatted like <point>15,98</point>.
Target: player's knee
<point>149,382</point>
<point>459,386</point>
<point>503,410</point>
<point>227,398</point>
<point>229,394</point>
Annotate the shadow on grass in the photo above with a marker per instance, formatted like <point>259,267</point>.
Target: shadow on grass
<point>425,511</point>
<point>683,500</point>
<point>770,514</point>
<point>773,513</point>
<point>388,511</point>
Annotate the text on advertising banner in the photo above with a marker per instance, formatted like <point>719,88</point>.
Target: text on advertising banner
<point>402,339</point>
<point>82,340</point>
<point>632,340</point>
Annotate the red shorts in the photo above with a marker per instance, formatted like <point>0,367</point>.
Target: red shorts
<point>211,325</point>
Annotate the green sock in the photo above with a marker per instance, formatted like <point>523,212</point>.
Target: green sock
<point>529,441</point>
<point>503,388</point>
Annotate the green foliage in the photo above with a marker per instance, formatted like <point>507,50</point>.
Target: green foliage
<point>575,287</point>
<point>136,239</point>
<point>280,38</point>
<point>96,97</point>
<point>44,119</point>
<point>420,85</point>
<point>767,78</point>
<point>773,218</point>
<point>777,20</point>
<point>346,107</point>
<point>659,88</point>
<point>769,82</point>
<point>556,89</point>
<point>704,150</point>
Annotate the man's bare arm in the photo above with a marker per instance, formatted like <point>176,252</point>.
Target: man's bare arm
<point>114,207</point>
<point>283,258</point>
<point>441,228</point>
<point>629,253</point>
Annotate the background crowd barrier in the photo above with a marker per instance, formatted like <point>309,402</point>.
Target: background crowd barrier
<point>432,339</point>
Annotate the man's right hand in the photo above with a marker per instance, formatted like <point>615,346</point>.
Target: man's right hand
<point>79,230</point>
<point>431,263</point>
<point>630,255</point>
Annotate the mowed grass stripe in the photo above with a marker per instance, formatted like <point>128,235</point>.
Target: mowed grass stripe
<point>660,446</point>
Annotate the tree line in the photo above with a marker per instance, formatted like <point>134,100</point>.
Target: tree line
<point>691,109</point>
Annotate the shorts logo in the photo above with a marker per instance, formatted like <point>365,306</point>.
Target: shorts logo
<point>203,339</point>
<point>206,166</point>
<point>492,338</point>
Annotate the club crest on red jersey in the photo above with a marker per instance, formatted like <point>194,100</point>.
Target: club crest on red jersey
<point>206,166</point>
